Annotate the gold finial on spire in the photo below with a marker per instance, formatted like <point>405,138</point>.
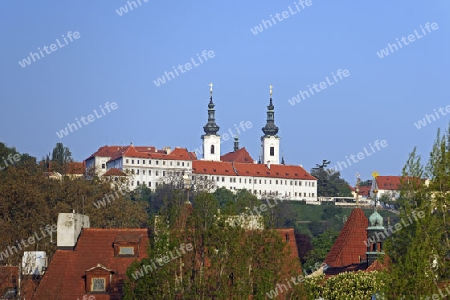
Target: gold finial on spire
<point>210,88</point>
<point>271,87</point>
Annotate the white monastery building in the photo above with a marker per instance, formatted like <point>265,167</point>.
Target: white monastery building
<point>235,170</point>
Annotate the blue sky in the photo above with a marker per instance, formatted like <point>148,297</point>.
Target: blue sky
<point>117,58</point>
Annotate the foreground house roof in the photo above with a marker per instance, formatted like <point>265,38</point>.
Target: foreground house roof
<point>349,247</point>
<point>70,272</point>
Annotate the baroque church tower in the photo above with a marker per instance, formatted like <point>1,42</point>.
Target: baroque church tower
<point>211,140</point>
<point>270,142</point>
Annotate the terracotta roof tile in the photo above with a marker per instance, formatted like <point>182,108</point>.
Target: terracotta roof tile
<point>388,182</point>
<point>349,247</point>
<point>64,277</point>
<point>246,169</point>
<point>114,172</point>
<point>239,156</point>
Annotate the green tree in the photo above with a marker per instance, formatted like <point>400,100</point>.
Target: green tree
<point>61,156</point>
<point>329,183</point>
<point>227,262</point>
<point>321,246</point>
<point>422,248</point>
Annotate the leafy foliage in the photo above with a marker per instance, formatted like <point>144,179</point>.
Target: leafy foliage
<point>329,183</point>
<point>422,248</point>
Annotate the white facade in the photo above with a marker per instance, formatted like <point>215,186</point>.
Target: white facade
<point>265,187</point>
<point>99,163</point>
<point>211,147</point>
<point>270,150</point>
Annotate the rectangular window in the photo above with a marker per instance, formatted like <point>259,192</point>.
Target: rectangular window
<point>249,181</point>
<point>276,181</point>
<point>260,182</point>
<point>137,161</point>
<point>231,179</point>
<point>132,161</point>
<point>126,250</point>
<point>217,178</point>
<point>272,151</point>
<point>103,166</point>
<point>304,194</point>
<point>164,162</point>
<point>313,185</point>
<point>149,172</point>
<point>98,284</point>
<point>137,182</point>
<point>137,172</point>
<point>164,173</point>
<point>178,163</point>
<point>156,173</point>
<point>143,172</point>
<point>143,161</point>
<point>149,183</point>
<point>223,179</point>
<point>182,164</point>
<point>313,194</point>
<point>188,164</point>
<point>149,162</point>
<point>170,163</point>
<point>157,162</point>
<point>126,160</point>
<point>300,183</point>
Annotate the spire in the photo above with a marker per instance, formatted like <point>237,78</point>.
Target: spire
<point>211,127</point>
<point>236,142</point>
<point>282,158</point>
<point>270,129</point>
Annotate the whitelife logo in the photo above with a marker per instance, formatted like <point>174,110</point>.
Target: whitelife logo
<point>323,85</point>
<point>90,118</point>
<point>284,15</point>
<point>27,61</point>
<point>162,80</point>
<point>411,38</point>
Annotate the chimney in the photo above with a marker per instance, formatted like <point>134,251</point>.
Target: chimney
<point>69,229</point>
<point>268,164</point>
<point>167,150</point>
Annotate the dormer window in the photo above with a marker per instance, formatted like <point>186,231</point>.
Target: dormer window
<point>127,245</point>
<point>98,279</point>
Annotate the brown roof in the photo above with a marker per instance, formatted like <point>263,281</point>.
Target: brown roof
<point>64,276</point>
<point>239,156</point>
<point>106,151</point>
<point>246,169</point>
<point>388,182</point>
<point>349,247</point>
<point>114,172</point>
<point>176,154</point>
<point>77,168</point>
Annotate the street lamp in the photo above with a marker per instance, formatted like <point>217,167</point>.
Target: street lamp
<point>187,185</point>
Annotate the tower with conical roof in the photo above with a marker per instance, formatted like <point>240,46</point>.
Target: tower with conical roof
<point>376,233</point>
<point>211,140</point>
<point>270,142</point>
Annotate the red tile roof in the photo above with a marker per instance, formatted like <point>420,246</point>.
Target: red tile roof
<point>106,151</point>
<point>114,172</point>
<point>245,169</point>
<point>349,247</point>
<point>64,276</point>
<point>363,190</point>
<point>76,168</point>
<point>239,156</point>
<point>176,154</point>
<point>388,182</point>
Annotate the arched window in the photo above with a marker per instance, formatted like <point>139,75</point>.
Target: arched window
<point>212,149</point>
